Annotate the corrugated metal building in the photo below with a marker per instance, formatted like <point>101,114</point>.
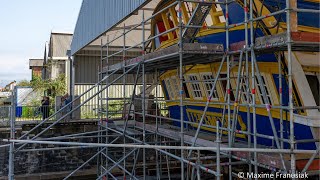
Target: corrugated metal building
<point>98,20</point>
<point>98,16</point>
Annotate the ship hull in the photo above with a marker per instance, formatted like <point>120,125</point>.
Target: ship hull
<point>263,125</point>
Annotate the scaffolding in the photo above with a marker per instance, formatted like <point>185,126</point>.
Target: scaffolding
<point>144,144</point>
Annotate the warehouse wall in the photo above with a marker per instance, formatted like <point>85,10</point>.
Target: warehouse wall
<point>87,63</point>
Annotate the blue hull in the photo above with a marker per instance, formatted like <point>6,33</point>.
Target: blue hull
<point>263,127</point>
<point>304,19</point>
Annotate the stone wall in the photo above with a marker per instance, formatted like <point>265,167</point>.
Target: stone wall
<point>28,161</point>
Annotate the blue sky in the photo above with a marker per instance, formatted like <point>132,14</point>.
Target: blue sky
<point>25,26</point>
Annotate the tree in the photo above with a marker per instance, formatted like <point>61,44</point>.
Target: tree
<point>24,83</point>
<point>53,87</point>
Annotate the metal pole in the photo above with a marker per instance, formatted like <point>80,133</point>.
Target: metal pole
<point>124,91</point>
<point>72,135</point>
<point>144,97</point>
<point>73,81</point>
<point>253,91</point>
<point>237,100</point>
<point>224,114</point>
<point>289,3</point>
<point>99,158</point>
<point>147,146</point>
<point>280,96</point>
<point>157,125</point>
<point>12,134</point>
<point>58,148</point>
<point>247,81</point>
<point>107,103</point>
<point>168,167</point>
<point>198,162</point>
<point>228,86</point>
<point>181,86</point>
<point>218,141</point>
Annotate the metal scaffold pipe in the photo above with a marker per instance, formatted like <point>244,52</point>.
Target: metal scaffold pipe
<point>227,149</point>
<point>12,134</point>
<point>181,88</point>
<point>291,17</point>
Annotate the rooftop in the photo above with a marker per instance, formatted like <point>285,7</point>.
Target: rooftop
<point>35,63</point>
<point>59,44</point>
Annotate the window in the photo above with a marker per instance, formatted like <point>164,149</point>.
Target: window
<point>224,86</point>
<point>314,86</point>
<point>264,85</point>
<point>195,85</point>
<point>208,82</point>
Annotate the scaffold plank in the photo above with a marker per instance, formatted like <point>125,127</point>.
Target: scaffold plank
<point>301,41</point>
<point>168,58</point>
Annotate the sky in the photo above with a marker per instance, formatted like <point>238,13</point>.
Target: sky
<point>25,27</point>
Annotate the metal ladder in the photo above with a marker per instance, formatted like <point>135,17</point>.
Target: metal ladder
<point>197,19</point>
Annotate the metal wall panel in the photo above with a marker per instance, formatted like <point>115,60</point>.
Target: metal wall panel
<point>97,16</point>
<point>59,44</point>
<point>86,71</point>
<point>115,91</point>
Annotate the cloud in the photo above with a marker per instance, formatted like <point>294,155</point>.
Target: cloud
<point>13,67</point>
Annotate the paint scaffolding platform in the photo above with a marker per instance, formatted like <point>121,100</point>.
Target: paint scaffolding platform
<point>300,41</point>
<point>168,58</point>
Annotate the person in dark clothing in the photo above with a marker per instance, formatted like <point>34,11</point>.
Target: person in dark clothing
<point>45,107</point>
<point>66,102</point>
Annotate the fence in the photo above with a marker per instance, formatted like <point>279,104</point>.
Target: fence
<point>114,91</point>
<point>117,109</point>
<point>5,113</point>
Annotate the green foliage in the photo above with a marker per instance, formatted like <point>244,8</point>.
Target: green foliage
<point>27,112</point>
<point>115,106</point>
<point>24,83</point>
<point>115,109</point>
<point>35,102</point>
<point>88,115</point>
<point>56,87</point>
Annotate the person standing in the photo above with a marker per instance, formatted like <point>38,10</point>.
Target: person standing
<point>66,102</point>
<point>45,107</point>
